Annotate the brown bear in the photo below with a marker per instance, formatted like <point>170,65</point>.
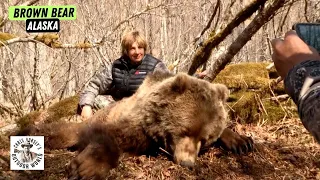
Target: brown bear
<point>179,113</point>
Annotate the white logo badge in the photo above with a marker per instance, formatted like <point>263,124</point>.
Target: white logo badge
<point>26,153</point>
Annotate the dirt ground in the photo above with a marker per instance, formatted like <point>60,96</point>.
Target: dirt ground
<point>282,151</point>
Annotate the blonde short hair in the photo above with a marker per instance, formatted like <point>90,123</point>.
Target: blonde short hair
<point>129,38</point>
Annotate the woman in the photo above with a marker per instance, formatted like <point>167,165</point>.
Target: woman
<point>123,77</point>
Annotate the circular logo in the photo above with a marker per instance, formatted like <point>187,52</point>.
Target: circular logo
<point>27,152</point>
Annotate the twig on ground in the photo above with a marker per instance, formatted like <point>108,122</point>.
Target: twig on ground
<point>280,97</point>
<point>161,149</point>
<point>270,66</point>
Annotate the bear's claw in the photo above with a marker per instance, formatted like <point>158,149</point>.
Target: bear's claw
<point>238,144</point>
<point>91,163</point>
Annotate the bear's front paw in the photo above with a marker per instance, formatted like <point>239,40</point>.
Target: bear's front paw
<point>238,144</point>
<point>89,164</point>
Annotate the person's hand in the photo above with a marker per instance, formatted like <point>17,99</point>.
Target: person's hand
<point>202,74</point>
<point>291,51</point>
<point>86,112</point>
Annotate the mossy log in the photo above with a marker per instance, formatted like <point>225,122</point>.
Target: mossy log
<point>57,112</point>
<point>250,100</point>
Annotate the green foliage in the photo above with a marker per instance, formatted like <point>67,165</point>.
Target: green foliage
<point>5,36</point>
<point>238,82</point>
<point>246,69</point>
<point>279,88</point>
<point>249,107</point>
<point>274,112</point>
<point>28,119</point>
<point>64,108</point>
<point>47,38</point>
<point>244,106</point>
<point>250,100</point>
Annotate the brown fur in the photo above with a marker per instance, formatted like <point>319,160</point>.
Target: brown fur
<point>57,135</point>
<point>99,152</point>
<point>179,113</point>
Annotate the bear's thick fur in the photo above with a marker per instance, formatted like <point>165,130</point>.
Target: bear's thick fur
<point>177,112</point>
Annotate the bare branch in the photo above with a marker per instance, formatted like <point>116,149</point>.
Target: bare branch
<point>306,10</point>
<point>263,17</point>
<point>147,9</point>
<point>203,53</point>
<point>8,110</point>
<point>27,3</point>
<point>209,22</point>
<point>281,24</point>
<point>50,40</point>
<point>19,39</point>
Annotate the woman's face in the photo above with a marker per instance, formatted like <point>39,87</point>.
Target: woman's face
<point>135,53</point>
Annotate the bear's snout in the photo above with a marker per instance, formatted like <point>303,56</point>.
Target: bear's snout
<point>186,151</point>
<point>187,164</point>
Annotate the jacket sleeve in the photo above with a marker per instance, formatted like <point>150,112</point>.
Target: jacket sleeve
<point>161,67</point>
<point>99,84</point>
<point>303,85</point>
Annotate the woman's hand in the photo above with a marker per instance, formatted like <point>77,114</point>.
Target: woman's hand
<point>86,112</point>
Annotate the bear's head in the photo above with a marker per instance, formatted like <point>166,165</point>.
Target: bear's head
<point>185,113</point>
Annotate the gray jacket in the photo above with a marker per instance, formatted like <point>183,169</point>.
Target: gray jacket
<point>303,85</point>
<point>101,84</point>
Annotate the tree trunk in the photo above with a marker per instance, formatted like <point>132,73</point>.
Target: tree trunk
<point>35,80</point>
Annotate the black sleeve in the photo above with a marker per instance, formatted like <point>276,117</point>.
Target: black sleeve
<point>303,85</point>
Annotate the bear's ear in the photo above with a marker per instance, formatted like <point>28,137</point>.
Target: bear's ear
<point>180,83</point>
<point>222,91</point>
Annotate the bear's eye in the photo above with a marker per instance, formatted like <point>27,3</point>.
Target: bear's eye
<point>203,141</point>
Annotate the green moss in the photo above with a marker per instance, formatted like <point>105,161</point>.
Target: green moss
<point>274,112</point>
<point>246,69</point>
<point>248,108</point>
<point>250,100</point>
<point>244,76</point>
<point>64,108</point>
<point>279,88</point>
<point>242,81</point>
<point>244,106</point>
<point>28,119</point>
<point>5,36</point>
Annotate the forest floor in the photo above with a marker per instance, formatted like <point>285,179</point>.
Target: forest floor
<point>282,151</point>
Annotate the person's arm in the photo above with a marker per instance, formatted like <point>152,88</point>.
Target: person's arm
<point>201,75</point>
<point>161,67</point>
<point>99,84</point>
<point>303,85</point>
<point>299,66</point>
